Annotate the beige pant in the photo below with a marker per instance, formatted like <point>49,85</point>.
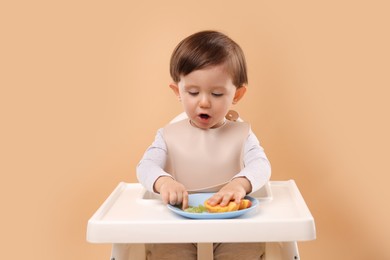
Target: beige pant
<point>222,251</point>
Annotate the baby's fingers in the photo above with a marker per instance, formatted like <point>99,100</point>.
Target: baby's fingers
<point>215,199</point>
<point>165,197</point>
<point>173,198</point>
<point>185,200</point>
<point>227,197</point>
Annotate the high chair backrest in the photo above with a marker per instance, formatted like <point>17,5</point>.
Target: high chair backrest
<point>179,117</point>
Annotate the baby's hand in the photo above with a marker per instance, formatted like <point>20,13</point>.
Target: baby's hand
<point>172,192</point>
<point>234,190</point>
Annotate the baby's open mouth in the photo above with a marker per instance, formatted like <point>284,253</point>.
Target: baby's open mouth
<point>204,116</point>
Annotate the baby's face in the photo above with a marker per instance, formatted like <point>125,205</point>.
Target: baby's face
<point>207,95</point>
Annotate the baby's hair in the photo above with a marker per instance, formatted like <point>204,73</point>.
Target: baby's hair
<point>205,49</point>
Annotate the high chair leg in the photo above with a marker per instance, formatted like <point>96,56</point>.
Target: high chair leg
<point>205,251</point>
<point>281,251</point>
<point>128,251</point>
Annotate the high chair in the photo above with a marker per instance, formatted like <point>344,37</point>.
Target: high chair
<point>132,217</point>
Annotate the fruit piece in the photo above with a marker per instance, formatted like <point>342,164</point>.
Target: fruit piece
<point>245,203</point>
<point>198,209</point>
<point>232,206</point>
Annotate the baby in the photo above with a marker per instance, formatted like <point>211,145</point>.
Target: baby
<point>210,150</point>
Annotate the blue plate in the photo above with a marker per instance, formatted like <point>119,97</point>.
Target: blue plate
<point>197,199</point>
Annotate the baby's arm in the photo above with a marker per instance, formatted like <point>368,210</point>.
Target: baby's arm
<point>255,174</point>
<point>151,175</point>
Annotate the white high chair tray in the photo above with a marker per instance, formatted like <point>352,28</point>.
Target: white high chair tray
<point>133,215</point>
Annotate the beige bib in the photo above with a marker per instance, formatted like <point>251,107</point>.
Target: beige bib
<point>205,160</point>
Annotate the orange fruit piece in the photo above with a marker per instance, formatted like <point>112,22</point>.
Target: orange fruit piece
<point>232,206</point>
<point>245,203</point>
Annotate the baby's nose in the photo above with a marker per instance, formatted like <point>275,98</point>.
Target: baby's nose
<point>204,101</point>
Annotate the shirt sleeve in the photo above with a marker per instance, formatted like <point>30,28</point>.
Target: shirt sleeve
<point>151,166</point>
<point>257,168</point>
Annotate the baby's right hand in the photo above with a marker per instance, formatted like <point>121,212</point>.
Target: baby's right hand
<point>171,191</point>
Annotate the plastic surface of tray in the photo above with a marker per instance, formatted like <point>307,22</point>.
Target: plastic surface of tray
<point>133,215</point>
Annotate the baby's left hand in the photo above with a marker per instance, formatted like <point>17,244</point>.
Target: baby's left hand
<point>234,190</point>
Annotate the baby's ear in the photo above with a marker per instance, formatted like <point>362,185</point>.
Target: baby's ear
<point>175,89</point>
<point>240,92</point>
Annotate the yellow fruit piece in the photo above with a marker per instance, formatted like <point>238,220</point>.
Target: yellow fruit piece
<point>232,206</point>
<point>244,204</point>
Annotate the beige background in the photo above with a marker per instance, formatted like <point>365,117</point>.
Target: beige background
<point>84,87</point>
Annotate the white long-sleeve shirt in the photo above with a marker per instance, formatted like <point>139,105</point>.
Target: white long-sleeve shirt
<point>256,169</point>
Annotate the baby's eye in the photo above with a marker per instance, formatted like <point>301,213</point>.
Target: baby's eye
<point>217,94</point>
<point>193,93</point>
